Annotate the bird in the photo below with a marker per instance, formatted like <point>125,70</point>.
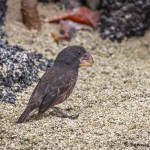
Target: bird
<point>58,82</point>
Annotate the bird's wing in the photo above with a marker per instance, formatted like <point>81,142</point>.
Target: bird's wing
<point>59,90</point>
<point>54,87</point>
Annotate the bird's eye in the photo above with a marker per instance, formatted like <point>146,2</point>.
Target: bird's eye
<point>67,63</point>
<point>79,53</point>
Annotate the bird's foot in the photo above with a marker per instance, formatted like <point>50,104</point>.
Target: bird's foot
<point>63,115</point>
<point>73,117</point>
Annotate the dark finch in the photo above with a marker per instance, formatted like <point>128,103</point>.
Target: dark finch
<point>58,82</point>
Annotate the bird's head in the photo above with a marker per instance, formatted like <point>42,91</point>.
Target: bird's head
<point>74,57</point>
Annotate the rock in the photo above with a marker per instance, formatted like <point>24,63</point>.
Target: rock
<point>122,19</point>
<point>3,8</point>
<point>18,69</point>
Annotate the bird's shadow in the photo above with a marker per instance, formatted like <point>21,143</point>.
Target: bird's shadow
<point>57,112</point>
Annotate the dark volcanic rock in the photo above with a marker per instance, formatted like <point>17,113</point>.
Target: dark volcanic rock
<point>18,69</point>
<point>124,18</point>
<point>3,8</point>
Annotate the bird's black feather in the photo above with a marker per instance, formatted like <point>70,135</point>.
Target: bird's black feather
<point>57,83</point>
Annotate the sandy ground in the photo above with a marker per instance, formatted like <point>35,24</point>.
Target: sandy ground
<point>112,98</point>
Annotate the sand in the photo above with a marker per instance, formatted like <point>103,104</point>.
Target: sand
<point>112,98</point>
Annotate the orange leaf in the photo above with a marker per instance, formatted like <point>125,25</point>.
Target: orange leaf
<point>82,15</point>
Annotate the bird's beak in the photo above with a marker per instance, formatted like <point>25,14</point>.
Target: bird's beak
<point>86,60</point>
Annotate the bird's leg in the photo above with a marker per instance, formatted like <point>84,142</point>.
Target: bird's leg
<point>57,110</point>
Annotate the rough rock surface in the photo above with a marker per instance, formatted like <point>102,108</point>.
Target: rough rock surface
<point>3,8</point>
<point>122,18</point>
<point>18,69</point>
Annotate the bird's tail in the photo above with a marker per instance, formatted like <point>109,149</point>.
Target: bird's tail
<point>24,115</point>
